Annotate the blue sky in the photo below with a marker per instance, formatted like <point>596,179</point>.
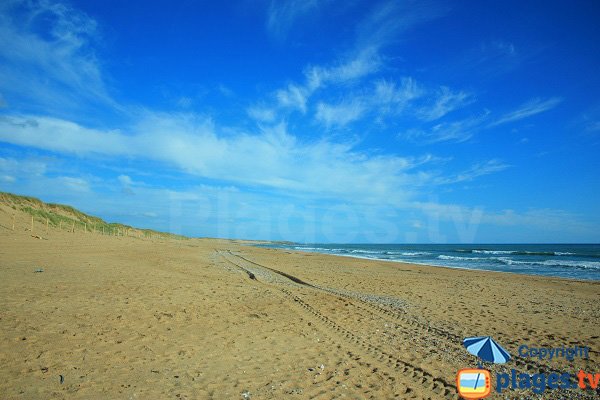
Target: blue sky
<point>315,120</point>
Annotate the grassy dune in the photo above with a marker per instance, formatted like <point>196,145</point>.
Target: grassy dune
<point>69,218</point>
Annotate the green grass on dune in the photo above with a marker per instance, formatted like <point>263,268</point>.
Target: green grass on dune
<point>67,217</point>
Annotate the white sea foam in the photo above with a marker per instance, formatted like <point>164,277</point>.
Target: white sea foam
<point>515,259</point>
<point>522,252</point>
<point>493,251</point>
<point>445,257</point>
<point>595,265</point>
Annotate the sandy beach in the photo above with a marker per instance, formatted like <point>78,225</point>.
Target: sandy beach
<point>126,318</point>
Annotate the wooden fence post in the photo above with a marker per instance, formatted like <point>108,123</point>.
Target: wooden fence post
<point>73,228</point>
<point>85,227</point>
<point>32,224</point>
<point>13,221</point>
<point>46,225</point>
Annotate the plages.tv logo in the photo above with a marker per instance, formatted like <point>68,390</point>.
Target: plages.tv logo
<point>476,383</point>
<point>473,383</point>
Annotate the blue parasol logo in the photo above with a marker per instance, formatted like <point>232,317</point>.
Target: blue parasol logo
<point>486,349</point>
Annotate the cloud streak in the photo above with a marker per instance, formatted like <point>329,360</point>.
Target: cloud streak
<point>445,101</point>
<point>455,131</point>
<point>272,159</point>
<point>48,61</point>
<point>282,14</point>
<point>339,114</point>
<point>383,25</point>
<point>529,109</point>
<point>474,172</point>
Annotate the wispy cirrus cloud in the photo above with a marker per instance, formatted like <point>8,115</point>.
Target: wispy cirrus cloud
<point>384,98</point>
<point>475,171</point>
<point>444,102</point>
<point>262,113</point>
<point>588,122</point>
<point>272,158</point>
<point>469,218</point>
<point>393,97</point>
<point>383,25</point>
<point>293,97</point>
<point>339,114</point>
<point>380,99</point>
<point>454,131</point>
<point>362,64</point>
<point>464,129</point>
<point>51,69</point>
<point>296,96</point>
<point>528,109</point>
<point>282,14</point>
<point>387,20</point>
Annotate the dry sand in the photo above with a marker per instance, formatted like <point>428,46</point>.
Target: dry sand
<point>129,318</point>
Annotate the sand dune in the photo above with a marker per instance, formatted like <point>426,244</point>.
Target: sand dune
<point>125,317</point>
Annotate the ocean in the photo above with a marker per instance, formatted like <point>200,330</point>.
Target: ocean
<point>575,261</point>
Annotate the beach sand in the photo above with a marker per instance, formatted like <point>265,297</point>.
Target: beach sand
<point>128,318</point>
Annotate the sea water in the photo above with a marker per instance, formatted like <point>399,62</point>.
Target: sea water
<point>575,261</point>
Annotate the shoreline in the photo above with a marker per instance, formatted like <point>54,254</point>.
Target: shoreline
<point>447,267</point>
<point>428,264</point>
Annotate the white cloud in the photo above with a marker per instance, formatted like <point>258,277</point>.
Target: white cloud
<point>59,135</point>
<point>125,180</point>
<point>384,98</point>
<point>25,167</point>
<point>475,171</point>
<point>588,121</point>
<point>185,102</point>
<point>388,19</point>
<point>363,63</point>
<point>388,93</point>
<point>468,219</point>
<point>7,178</point>
<point>47,57</point>
<point>382,25</point>
<point>126,184</point>
<point>293,96</point>
<point>339,114</point>
<point>532,107</point>
<point>74,184</point>
<point>445,101</point>
<point>273,158</point>
<point>455,131</point>
<point>592,127</point>
<point>225,91</point>
<point>462,130</point>
<point>261,113</point>
<point>282,14</point>
<point>296,96</point>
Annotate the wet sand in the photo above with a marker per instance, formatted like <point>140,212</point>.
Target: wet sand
<point>127,318</point>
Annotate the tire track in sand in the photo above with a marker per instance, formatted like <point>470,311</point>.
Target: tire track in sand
<point>415,375</point>
<point>415,328</point>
